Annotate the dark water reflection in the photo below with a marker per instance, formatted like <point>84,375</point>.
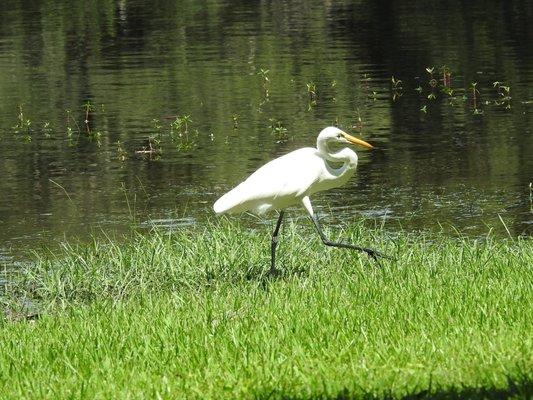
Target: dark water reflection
<point>140,60</point>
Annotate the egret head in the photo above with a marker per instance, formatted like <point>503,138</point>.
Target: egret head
<point>332,134</point>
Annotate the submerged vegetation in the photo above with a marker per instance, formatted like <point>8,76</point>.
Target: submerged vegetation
<point>192,313</point>
<point>184,139</point>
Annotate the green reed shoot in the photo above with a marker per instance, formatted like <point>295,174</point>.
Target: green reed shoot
<point>23,125</point>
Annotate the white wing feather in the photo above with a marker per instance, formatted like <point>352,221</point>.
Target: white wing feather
<point>277,184</point>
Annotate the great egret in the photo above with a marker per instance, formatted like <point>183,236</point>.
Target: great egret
<point>292,178</point>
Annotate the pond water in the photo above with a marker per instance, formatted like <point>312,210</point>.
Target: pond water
<point>250,81</point>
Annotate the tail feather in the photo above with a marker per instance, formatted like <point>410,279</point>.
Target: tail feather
<point>227,202</point>
<point>221,205</point>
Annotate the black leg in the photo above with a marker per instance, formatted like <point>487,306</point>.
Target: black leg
<point>274,243</point>
<point>372,253</point>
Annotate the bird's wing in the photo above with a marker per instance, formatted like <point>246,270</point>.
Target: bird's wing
<point>279,181</point>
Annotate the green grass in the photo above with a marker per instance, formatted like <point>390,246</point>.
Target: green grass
<point>191,314</point>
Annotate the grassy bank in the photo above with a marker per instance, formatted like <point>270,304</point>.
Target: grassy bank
<point>191,315</point>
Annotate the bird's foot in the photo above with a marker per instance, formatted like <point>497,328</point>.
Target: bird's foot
<point>376,255</point>
<point>274,272</point>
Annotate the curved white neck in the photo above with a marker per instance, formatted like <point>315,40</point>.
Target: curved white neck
<point>345,156</point>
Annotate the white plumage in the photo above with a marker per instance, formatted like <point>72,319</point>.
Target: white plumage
<point>291,178</point>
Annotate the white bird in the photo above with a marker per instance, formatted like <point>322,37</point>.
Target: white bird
<point>292,178</point>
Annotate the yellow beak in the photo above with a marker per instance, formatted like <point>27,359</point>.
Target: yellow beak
<point>354,140</point>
